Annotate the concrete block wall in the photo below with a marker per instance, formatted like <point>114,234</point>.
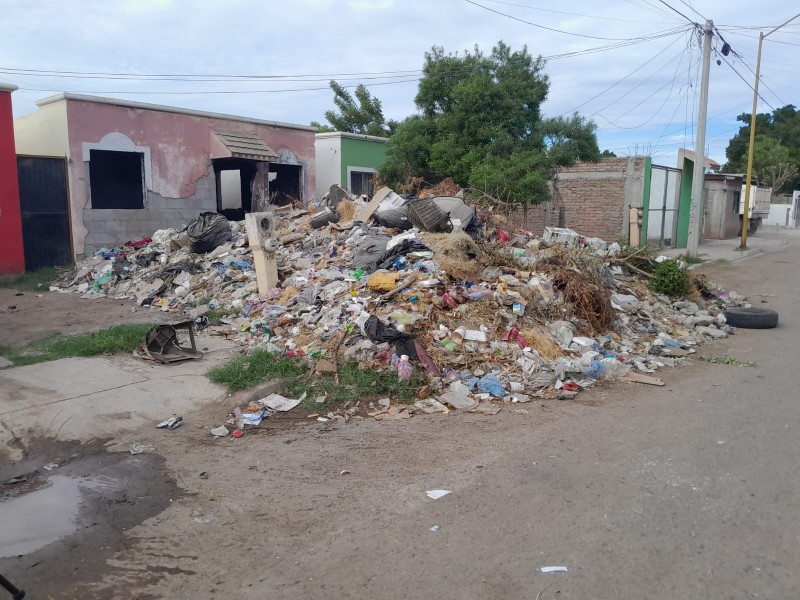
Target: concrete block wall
<point>592,198</point>
<point>596,197</point>
<point>110,227</point>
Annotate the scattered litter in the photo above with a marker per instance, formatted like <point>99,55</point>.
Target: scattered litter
<point>344,472</point>
<point>554,569</point>
<point>436,494</point>
<point>434,529</point>
<point>451,289</point>
<point>237,433</point>
<point>53,466</point>
<point>204,475</point>
<point>281,403</point>
<point>171,423</point>
<point>17,479</point>
<point>220,431</point>
<point>639,378</point>
<point>140,448</point>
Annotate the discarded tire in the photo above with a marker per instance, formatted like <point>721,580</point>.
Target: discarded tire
<point>751,318</point>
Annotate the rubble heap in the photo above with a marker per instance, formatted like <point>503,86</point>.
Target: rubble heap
<point>487,315</point>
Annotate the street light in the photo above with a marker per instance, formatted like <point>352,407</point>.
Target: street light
<point>746,215</point>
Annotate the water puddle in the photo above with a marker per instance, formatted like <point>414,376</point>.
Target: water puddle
<point>33,520</point>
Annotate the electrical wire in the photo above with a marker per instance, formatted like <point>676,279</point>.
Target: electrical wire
<point>671,85</point>
<point>613,85</point>
<point>561,12</point>
<point>672,8</point>
<point>591,37</point>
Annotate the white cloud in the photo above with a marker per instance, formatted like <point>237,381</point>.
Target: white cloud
<point>324,37</point>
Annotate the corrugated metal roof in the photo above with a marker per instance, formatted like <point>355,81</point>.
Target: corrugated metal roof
<point>246,145</point>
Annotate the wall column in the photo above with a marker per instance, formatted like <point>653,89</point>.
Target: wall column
<point>12,253</point>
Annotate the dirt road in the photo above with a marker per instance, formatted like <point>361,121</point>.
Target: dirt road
<point>686,491</point>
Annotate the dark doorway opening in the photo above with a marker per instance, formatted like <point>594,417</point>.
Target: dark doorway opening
<point>362,182</point>
<point>116,179</point>
<point>44,203</point>
<point>284,184</point>
<point>234,177</point>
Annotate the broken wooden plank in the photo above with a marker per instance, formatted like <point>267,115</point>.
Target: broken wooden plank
<point>640,378</point>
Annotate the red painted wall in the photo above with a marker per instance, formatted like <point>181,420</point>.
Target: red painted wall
<point>12,255</point>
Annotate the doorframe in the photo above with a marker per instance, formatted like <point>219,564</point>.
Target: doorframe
<point>69,199</point>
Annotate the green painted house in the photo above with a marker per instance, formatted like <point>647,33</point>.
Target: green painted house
<point>347,159</point>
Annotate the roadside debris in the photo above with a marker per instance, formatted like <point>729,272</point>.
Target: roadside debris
<point>220,431</point>
<point>171,423</point>
<point>141,448</point>
<point>436,494</point>
<point>437,291</point>
<point>553,569</point>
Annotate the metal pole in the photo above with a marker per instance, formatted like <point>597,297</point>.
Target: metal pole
<point>747,186</point>
<point>746,215</point>
<point>698,178</point>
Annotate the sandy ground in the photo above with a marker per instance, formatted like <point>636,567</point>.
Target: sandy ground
<point>686,491</point>
<point>38,314</point>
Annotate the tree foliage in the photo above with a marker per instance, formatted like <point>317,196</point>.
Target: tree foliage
<point>776,154</point>
<point>360,114</point>
<point>480,122</point>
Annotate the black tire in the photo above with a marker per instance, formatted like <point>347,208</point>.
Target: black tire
<point>751,318</point>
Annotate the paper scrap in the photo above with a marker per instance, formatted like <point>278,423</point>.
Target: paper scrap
<point>436,494</point>
<point>281,403</point>
<point>554,569</point>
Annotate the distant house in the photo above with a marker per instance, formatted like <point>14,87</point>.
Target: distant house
<point>349,160</point>
<point>132,168</point>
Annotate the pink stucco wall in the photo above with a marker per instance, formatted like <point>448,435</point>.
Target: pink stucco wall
<point>179,149</point>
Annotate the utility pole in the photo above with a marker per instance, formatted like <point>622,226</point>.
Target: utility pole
<point>746,215</point>
<point>698,178</point>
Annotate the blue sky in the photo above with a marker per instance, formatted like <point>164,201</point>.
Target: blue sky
<point>651,110</point>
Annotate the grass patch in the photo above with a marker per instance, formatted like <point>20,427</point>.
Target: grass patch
<point>30,282</point>
<point>720,262</point>
<point>691,260</point>
<point>355,383</point>
<point>118,339</point>
<point>253,368</point>
<point>724,359</point>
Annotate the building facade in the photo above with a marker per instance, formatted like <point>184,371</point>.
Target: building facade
<point>133,168</point>
<point>348,159</point>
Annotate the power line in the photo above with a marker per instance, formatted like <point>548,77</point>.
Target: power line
<point>692,8</point>
<point>612,86</point>
<point>663,104</point>
<point>205,92</point>
<point>672,8</point>
<point>592,37</point>
<point>561,12</point>
<point>750,85</point>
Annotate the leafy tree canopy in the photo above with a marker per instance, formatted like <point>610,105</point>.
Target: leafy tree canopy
<point>360,114</point>
<point>776,155</point>
<point>480,122</point>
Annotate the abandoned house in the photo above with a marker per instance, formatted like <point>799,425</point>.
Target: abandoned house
<point>350,160</point>
<point>114,170</point>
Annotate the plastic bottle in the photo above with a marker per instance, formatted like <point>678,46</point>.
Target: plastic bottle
<point>404,368</point>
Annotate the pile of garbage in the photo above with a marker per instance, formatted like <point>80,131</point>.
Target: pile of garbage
<point>420,285</point>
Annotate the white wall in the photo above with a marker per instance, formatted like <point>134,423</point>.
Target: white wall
<point>328,163</point>
<point>777,215</point>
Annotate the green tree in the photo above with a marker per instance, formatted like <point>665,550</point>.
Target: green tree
<point>480,122</point>
<point>360,114</point>
<point>776,155</point>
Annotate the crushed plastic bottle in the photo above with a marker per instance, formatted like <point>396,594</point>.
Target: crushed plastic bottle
<point>404,368</point>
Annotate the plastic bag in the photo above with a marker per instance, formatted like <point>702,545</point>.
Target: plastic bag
<point>208,231</point>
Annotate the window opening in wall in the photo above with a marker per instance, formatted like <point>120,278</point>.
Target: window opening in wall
<point>361,182</point>
<point>284,184</point>
<point>116,179</point>
<point>235,178</point>
<point>737,198</point>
